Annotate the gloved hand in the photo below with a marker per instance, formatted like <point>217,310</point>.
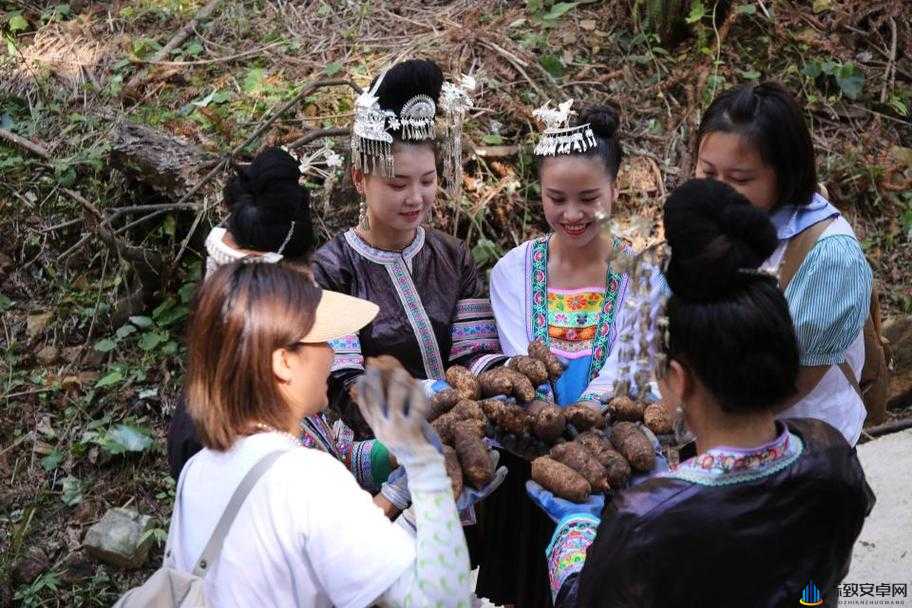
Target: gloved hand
<point>558,508</point>
<point>396,413</point>
<point>470,496</point>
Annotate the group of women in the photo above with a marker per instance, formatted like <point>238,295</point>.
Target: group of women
<point>774,498</point>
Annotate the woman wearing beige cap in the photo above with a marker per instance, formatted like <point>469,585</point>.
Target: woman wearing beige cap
<point>304,534</point>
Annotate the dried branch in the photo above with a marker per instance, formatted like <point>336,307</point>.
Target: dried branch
<point>317,134</point>
<point>36,149</point>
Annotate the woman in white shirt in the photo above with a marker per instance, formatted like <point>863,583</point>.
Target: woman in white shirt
<point>306,535</point>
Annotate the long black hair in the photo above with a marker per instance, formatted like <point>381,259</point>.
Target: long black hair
<point>770,119</point>
<point>728,323</point>
<point>264,199</point>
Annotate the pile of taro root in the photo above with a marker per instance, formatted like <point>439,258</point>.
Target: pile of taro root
<point>575,451</point>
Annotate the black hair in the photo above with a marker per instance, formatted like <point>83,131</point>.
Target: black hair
<point>730,327</point>
<point>770,119</point>
<point>404,81</point>
<point>264,198</point>
<point>604,121</point>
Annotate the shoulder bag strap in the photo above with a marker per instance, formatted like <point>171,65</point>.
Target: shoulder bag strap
<point>797,250</point>
<point>214,546</point>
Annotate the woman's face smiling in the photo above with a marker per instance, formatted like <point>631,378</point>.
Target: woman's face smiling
<point>401,202</point>
<point>574,190</point>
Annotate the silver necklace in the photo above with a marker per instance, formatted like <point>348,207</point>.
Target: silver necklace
<point>271,429</point>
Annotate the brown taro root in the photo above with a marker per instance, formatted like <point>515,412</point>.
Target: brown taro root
<point>453,469</point>
<point>537,405</point>
<point>560,479</point>
<point>495,382</point>
<point>443,402</point>
<point>539,350</point>
<point>658,418</point>
<point>506,416</point>
<point>445,425</point>
<point>533,369</point>
<point>464,382</point>
<point>629,440</point>
<point>584,462</point>
<point>583,417</point>
<point>625,409</point>
<point>466,409</point>
<point>549,423</point>
<point>477,466</point>
<point>616,466</point>
<point>522,387</point>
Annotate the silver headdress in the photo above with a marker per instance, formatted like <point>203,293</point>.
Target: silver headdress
<point>456,100</point>
<point>559,137</point>
<point>372,143</point>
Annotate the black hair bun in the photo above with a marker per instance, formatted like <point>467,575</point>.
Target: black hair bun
<point>407,79</point>
<point>713,232</point>
<point>264,198</point>
<point>603,119</point>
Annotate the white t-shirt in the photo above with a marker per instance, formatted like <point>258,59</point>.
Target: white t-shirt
<point>307,535</point>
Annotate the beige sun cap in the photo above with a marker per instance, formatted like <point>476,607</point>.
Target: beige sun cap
<point>339,315</point>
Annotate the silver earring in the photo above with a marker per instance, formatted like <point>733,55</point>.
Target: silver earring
<point>363,220</point>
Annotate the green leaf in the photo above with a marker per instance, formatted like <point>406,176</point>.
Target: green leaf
<point>850,80</point>
<point>17,23</point>
<point>52,460</point>
<point>141,322</point>
<point>109,379</point>
<point>333,68</point>
<point>152,339</point>
<point>812,69</point>
<point>535,6</point>
<point>559,10</point>
<point>493,139</point>
<point>5,303</point>
<point>485,252</point>
<point>72,491</point>
<point>746,9</point>
<point>697,12</point>
<point>106,345</point>
<point>193,49</point>
<point>552,64</point>
<point>750,74</point>
<point>124,331</point>
<point>186,292</point>
<point>254,81</point>
<point>122,438</point>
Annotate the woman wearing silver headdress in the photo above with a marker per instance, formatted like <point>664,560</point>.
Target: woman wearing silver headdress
<point>434,310</point>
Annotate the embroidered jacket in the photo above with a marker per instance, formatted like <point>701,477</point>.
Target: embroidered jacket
<point>433,310</point>
<point>728,527</point>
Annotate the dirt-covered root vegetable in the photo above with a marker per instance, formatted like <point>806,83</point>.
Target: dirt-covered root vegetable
<point>549,423</point>
<point>625,409</point>
<point>522,387</point>
<point>537,405</point>
<point>495,382</point>
<point>477,466</point>
<point>539,350</point>
<point>658,419</point>
<point>533,369</point>
<point>584,462</point>
<point>629,440</point>
<point>465,409</point>
<point>616,466</point>
<point>445,424</point>
<point>464,382</point>
<point>443,402</point>
<point>507,417</point>
<point>583,417</point>
<point>560,479</point>
<point>453,469</point>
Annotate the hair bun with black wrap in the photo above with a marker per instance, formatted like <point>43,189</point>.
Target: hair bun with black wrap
<point>603,119</point>
<point>264,198</point>
<point>714,232</point>
<point>407,79</point>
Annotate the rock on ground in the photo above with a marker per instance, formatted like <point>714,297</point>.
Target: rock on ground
<point>115,539</point>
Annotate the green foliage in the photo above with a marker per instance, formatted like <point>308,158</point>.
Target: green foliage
<point>847,77</point>
<point>72,491</point>
<point>552,64</point>
<point>31,596</point>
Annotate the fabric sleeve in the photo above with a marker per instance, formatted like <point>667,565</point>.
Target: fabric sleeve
<point>475,344</point>
<point>566,553</point>
<point>355,551</point>
<point>368,460</point>
<point>829,299</point>
<point>507,290</point>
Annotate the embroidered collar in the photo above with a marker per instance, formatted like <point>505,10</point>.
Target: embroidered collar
<point>790,220</point>
<point>725,465</point>
<point>315,433</point>
<point>383,256</point>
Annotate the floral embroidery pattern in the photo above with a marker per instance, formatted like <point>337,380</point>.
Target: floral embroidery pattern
<point>469,330</point>
<point>347,361</point>
<point>473,308</point>
<point>604,330</point>
<point>726,466</point>
<point>567,552</point>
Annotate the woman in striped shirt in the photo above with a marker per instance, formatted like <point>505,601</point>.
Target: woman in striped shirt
<point>754,138</point>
